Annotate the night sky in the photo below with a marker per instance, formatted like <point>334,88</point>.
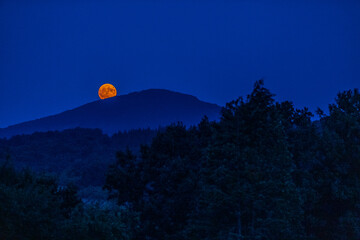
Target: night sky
<point>54,55</point>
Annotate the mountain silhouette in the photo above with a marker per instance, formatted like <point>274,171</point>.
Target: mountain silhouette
<point>145,109</point>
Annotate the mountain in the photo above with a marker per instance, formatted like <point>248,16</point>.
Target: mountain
<point>145,109</point>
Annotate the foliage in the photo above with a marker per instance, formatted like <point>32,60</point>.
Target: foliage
<point>35,207</point>
<point>264,171</point>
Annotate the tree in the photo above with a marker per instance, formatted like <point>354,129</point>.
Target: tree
<point>35,207</point>
<point>338,182</point>
<point>247,190</point>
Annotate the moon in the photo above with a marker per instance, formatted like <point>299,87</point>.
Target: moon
<point>107,91</point>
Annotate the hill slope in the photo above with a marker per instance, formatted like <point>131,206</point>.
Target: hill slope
<point>146,109</point>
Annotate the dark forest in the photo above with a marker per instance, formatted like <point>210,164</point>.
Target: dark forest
<point>264,171</point>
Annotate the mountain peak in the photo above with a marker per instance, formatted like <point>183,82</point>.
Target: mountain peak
<point>164,93</point>
<point>143,109</point>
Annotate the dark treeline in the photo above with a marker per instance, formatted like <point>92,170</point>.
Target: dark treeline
<point>265,171</point>
<point>79,155</point>
<point>34,207</point>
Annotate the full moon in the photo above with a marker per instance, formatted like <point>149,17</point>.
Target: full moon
<point>107,91</point>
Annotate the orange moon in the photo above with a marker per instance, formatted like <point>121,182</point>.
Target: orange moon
<point>107,91</point>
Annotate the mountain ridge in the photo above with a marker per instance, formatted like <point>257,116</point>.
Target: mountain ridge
<point>149,108</point>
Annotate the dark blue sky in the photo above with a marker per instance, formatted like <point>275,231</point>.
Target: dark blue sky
<point>54,55</point>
